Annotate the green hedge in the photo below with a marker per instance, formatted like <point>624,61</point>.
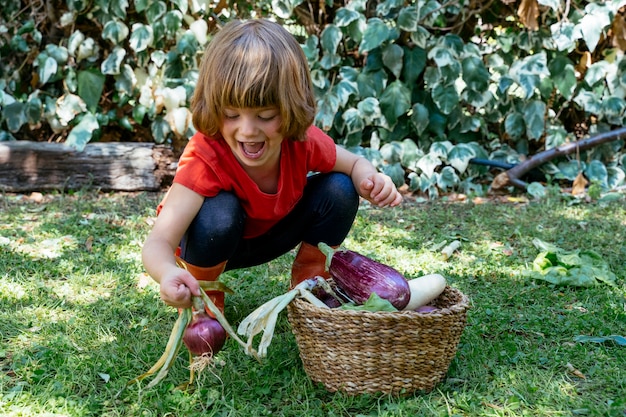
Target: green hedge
<point>420,88</point>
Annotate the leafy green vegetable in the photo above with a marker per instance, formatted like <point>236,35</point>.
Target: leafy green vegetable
<point>581,268</point>
<point>374,303</point>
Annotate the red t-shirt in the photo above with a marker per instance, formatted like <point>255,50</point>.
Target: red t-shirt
<point>208,166</point>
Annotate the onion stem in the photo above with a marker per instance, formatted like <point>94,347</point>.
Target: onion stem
<point>220,317</point>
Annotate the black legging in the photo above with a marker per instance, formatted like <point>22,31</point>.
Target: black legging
<point>324,214</point>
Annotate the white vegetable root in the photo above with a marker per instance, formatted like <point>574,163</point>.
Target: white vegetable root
<point>425,289</point>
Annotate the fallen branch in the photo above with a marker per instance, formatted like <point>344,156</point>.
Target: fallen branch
<point>513,175</point>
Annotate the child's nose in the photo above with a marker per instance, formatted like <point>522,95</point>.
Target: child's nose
<point>248,126</point>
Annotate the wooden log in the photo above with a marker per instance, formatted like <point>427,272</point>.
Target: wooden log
<point>27,166</point>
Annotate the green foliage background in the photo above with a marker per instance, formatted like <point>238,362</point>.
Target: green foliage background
<point>419,87</point>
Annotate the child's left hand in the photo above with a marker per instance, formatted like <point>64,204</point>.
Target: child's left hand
<point>380,190</point>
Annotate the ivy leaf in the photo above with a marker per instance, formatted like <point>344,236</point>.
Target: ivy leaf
<point>447,178</point>
<point>353,121</point>
<point>345,16</point>
<point>564,76</point>
<point>376,33</point>
<point>596,72</point>
<point>124,81</point>
<point>344,90</point>
<point>371,83</point>
<point>187,44</point>
<point>155,10</point>
<point>613,109</point>
<point>596,172</point>
<point>615,177</point>
<point>528,72</point>
<point>556,135</point>
<point>589,102</point>
<point>330,61</point>
<point>392,58</point>
<point>395,101</point>
<point>414,64</point>
<point>442,56</point>
<point>59,53</point>
<point>47,68</point>
<point>90,86</point>
<point>33,109</point>
<point>460,155</point>
<point>428,164</point>
<point>330,39</point>
<point>514,125</point>
<point>160,128</point>
<point>68,106</point>
<point>395,172</point>
<point>591,26</point>
<point>475,73</point>
<point>141,5</point>
<point>391,152</point>
<point>118,8</point>
<point>111,65</point>
<point>564,35</point>
<point>570,169</point>
<point>369,109</point>
<point>14,115</point>
<point>115,31</point>
<point>534,114</point>
<point>420,117</point>
<point>327,109</point>
<point>284,8</point>
<point>536,190</point>
<point>82,133</point>
<point>441,149</point>
<point>141,37</point>
<point>173,21</point>
<point>445,97</point>
<point>410,154</point>
<point>407,19</point>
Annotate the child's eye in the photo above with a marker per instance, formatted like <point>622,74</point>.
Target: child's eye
<point>267,118</point>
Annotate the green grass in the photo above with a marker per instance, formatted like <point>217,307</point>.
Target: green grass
<point>79,319</point>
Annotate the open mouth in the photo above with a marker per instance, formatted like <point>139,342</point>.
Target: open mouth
<point>252,150</point>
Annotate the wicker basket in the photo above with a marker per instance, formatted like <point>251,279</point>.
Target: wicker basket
<point>397,353</point>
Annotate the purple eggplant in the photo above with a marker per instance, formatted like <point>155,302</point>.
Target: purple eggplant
<point>359,276</point>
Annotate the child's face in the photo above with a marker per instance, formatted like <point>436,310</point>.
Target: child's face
<point>253,135</point>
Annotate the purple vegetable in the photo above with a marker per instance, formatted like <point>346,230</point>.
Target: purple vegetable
<point>359,276</point>
<point>426,309</point>
<point>204,334</point>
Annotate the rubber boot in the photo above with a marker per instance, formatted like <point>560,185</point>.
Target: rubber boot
<point>309,262</point>
<point>210,273</point>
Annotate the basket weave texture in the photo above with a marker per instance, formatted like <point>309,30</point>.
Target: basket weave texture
<point>396,353</point>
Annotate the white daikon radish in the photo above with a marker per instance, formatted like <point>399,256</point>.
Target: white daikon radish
<point>424,290</point>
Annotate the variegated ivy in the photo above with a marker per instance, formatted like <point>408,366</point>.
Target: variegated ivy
<point>394,80</point>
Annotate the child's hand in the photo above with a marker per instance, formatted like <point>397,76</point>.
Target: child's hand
<point>177,287</point>
<point>380,190</point>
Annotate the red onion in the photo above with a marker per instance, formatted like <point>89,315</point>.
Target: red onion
<point>204,334</point>
<point>426,309</point>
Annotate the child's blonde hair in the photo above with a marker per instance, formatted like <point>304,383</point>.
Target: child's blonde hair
<point>254,63</point>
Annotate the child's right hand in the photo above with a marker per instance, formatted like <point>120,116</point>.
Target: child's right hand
<point>177,287</point>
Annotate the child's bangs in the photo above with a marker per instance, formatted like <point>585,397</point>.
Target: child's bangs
<point>254,85</point>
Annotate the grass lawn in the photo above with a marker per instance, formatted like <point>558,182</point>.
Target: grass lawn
<point>79,318</point>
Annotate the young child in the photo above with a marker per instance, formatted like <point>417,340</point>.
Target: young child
<point>257,178</point>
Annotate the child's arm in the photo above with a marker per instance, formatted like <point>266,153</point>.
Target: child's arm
<point>372,185</point>
<point>179,209</point>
